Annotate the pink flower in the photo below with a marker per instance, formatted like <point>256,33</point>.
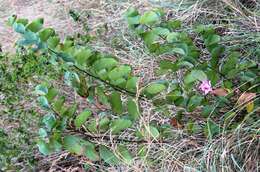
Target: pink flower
<point>205,87</point>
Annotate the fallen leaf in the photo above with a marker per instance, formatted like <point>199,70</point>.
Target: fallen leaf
<point>250,107</point>
<point>175,123</point>
<point>246,98</point>
<point>219,92</point>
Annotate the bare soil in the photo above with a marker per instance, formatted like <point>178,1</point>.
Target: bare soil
<point>54,12</point>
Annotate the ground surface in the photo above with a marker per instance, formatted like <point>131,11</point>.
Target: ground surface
<point>55,14</point>
<point>115,40</point>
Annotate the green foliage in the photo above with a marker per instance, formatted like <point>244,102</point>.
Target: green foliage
<point>119,125</point>
<point>164,36</point>
<point>133,109</point>
<point>116,103</point>
<point>108,156</point>
<point>149,17</point>
<point>155,88</point>
<point>82,118</point>
<point>195,75</point>
<point>18,75</point>
<point>112,87</point>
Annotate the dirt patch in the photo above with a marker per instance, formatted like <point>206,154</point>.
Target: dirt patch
<point>55,14</point>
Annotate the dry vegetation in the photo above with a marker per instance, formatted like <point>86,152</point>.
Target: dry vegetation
<point>236,151</point>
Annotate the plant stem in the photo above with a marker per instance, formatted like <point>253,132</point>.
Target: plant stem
<point>121,90</point>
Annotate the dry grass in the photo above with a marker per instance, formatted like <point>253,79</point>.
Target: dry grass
<point>237,151</point>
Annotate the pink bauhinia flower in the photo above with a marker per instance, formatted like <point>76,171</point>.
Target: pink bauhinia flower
<point>205,87</point>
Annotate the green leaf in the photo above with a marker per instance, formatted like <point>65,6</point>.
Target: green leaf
<point>82,55</point>
<point>155,88</point>
<point>53,42</point>
<point>44,147</point>
<point>45,34</point>
<point>41,90</point>
<point>67,44</point>
<point>161,31</point>
<point>105,63</point>
<point>29,38</point>
<point>150,37</point>
<point>92,126</point>
<point>195,75</point>
<point>194,101</point>
<point>70,111</point>
<point>57,106</point>
<point>151,131</point>
<point>91,152</point>
<point>133,109</point>
<point>175,97</point>
<point>120,124</point>
<point>132,16</point>
<point>116,103</point>
<point>104,124</point>
<point>149,17</point>
<point>73,145</point>
<point>207,111</point>
<point>108,156</point>
<point>131,84</point>
<point>172,37</point>
<point>217,51</point>
<point>174,24</point>
<point>230,63</point>
<point>35,25</point>
<point>52,93</point>
<point>131,12</point>
<point>167,65</point>
<point>213,76</point>
<point>11,20</point>
<point>43,102</point>
<point>19,28</point>
<point>102,97</point>
<point>42,133</point>
<point>54,145</point>
<point>82,118</point>
<point>178,51</point>
<point>191,127</point>
<point>133,20</point>
<point>124,154</point>
<point>183,64</point>
<point>119,72</point>
<point>49,121</point>
<point>22,21</point>
<point>212,39</point>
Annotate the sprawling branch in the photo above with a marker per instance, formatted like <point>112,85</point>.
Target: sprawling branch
<point>117,88</point>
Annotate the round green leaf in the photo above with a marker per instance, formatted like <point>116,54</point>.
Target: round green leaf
<point>195,75</point>
<point>133,109</point>
<point>116,103</point>
<point>155,88</point>
<point>45,34</point>
<point>119,72</point>
<point>44,147</point>
<point>105,63</point>
<point>81,118</point>
<point>124,154</point>
<point>35,25</point>
<point>120,124</point>
<point>73,144</point>
<point>149,17</point>
<point>108,156</point>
